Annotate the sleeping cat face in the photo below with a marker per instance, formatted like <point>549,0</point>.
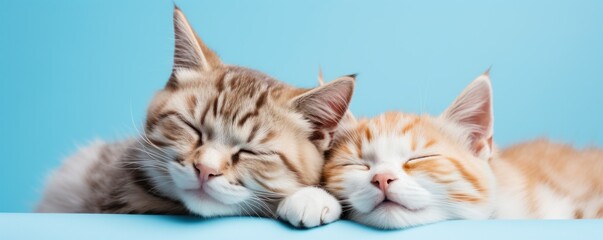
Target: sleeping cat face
<point>399,170</point>
<point>227,140</point>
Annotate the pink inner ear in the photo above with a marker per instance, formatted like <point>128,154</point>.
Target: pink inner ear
<point>326,116</point>
<point>481,120</point>
<point>472,110</point>
<point>326,105</point>
<point>337,111</point>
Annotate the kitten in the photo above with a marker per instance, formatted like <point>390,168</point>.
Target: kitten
<point>219,140</point>
<point>398,169</point>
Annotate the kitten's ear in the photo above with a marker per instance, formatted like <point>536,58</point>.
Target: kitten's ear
<point>325,106</point>
<point>190,53</point>
<point>472,110</point>
<point>348,118</point>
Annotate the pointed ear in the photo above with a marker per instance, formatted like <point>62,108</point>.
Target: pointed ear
<point>190,53</point>
<point>472,110</point>
<point>324,106</point>
<point>348,118</point>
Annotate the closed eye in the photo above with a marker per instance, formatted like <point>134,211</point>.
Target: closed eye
<point>191,126</point>
<point>186,122</point>
<point>424,157</point>
<point>359,166</point>
<point>247,151</point>
<point>236,157</point>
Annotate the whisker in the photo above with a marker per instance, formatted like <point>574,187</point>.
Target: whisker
<point>143,136</point>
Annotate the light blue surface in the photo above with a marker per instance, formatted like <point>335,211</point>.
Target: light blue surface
<point>91,227</point>
<point>72,71</point>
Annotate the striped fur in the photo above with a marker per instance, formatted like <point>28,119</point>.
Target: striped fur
<point>256,134</point>
<point>446,167</point>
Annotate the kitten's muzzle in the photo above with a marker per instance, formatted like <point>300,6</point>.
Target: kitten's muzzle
<point>205,173</point>
<point>382,181</point>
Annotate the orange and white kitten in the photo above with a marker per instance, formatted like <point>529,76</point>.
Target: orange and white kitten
<point>399,169</point>
<point>219,140</point>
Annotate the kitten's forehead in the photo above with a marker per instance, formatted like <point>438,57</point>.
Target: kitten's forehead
<point>243,82</point>
<point>387,148</point>
<point>228,90</point>
<point>390,137</point>
<point>236,104</point>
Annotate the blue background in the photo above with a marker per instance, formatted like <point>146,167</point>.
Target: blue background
<point>73,71</point>
<point>113,226</point>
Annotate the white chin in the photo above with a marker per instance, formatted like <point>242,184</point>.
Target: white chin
<point>390,215</point>
<point>390,206</point>
<point>203,204</point>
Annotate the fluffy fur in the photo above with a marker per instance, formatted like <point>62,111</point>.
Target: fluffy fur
<point>398,169</point>
<point>219,140</point>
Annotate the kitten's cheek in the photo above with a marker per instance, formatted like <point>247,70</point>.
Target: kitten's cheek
<point>410,195</point>
<point>184,177</point>
<point>356,179</point>
<point>221,190</point>
<point>365,198</point>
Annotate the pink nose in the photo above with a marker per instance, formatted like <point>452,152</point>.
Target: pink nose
<point>206,173</point>
<point>382,180</point>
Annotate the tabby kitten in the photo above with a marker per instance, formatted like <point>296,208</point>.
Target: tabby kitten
<point>219,140</point>
<point>399,170</point>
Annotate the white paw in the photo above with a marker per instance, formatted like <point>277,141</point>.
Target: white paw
<point>309,207</point>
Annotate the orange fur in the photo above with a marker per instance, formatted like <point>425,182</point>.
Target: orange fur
<point>417,127</point>
<point>569,173</point>
<point>453,158</point>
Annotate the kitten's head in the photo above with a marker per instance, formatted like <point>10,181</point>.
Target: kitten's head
<point>224,140</point>
<point>399,170</point>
